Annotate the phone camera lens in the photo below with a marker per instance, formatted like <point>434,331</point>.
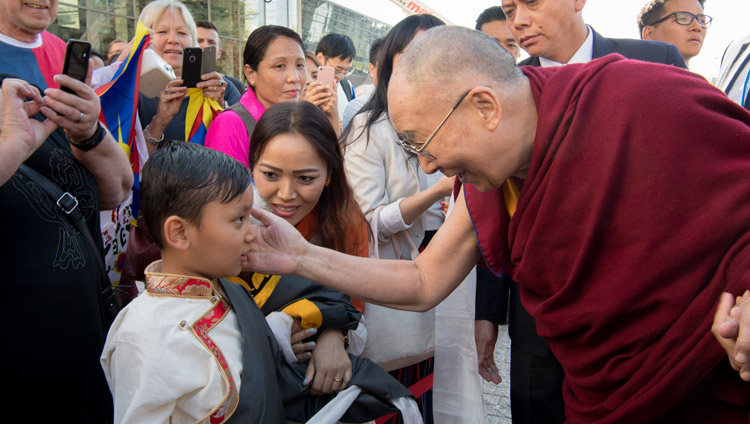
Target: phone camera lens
<point>192,59</point>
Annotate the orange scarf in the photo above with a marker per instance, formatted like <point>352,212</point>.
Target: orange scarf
<point>357,244</point>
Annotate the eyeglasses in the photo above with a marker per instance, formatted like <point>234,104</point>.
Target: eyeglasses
<point>339,71</point>
<point>686,18</point>
<point>409,146</point>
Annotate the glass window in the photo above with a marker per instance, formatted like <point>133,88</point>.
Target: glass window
<point>104,28</point>
<point>249,18</point>
<point>70,23</point>
<point>120,7</point>
<point>230,62</point>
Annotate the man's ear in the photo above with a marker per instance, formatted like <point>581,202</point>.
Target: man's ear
<point>579,5</point>
<point>176,233</point>
<point>487,105</point>
<point>647,33</point>
<point>218,54</point>
<point>321,58</point>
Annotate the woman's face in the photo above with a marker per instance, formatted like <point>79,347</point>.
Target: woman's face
<point>171,36</point>
<point>312,70</point>
<point>290,176</point>
<point>281,73</point>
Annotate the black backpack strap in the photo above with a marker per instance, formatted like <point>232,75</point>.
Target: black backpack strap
<point>347,86</point>
<point>69,206</point>
<point>244,114</point>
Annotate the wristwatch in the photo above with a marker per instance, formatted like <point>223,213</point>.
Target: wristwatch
<point>151,140</point>
<point>92,141</point>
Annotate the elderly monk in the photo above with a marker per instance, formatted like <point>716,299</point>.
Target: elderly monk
<point>623,218</point>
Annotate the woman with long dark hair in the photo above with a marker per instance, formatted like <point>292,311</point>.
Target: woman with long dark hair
<point>401,204</point>
<point>299,175</point>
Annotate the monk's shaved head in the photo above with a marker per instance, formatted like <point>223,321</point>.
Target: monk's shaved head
<point>466,80</point>
<point>445,61</point>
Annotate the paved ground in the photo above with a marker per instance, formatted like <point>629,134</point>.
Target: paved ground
<point>497,397</point>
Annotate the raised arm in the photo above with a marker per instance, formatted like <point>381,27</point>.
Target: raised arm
<point>410,285</point>
<point>78,115</point>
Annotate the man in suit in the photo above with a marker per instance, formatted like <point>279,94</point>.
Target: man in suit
<point>735,70</point>
<point>554,34</point>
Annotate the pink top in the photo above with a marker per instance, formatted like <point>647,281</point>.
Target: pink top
<point>227,132</point>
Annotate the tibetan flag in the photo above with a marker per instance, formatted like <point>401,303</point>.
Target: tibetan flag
<point>200,112</point>
<point>119,100</point>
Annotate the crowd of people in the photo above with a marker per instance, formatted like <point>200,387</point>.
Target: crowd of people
<point>291,256</point>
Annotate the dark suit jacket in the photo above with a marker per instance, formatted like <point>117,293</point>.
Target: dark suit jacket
<point>489,300</point>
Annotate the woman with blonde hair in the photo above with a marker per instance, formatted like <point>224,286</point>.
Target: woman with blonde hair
<point>172,30</point>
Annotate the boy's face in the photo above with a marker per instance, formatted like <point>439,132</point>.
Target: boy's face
<point>217,247</point>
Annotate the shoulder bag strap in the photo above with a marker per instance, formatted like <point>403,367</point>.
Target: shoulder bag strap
<point>247,119</point>
<point>69,206</point>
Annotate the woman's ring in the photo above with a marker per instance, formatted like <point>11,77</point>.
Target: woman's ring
<point>338,380</point>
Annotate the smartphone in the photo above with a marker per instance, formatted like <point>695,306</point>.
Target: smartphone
<point>325,76</point>
<point>76,63</point>
<point>209,60</point>
<point>192,66</point>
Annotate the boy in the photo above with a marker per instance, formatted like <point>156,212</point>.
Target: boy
<point>194,347</point>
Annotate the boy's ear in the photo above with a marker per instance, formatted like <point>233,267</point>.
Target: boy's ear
<point>175,233</point>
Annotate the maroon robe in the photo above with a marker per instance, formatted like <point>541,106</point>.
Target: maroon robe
<point>633,219</point>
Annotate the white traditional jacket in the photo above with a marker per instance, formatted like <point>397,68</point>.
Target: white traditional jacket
<point>174,354</point>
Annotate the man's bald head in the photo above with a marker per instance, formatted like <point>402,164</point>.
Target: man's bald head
<point>448,60</point>
<point>483,100</point>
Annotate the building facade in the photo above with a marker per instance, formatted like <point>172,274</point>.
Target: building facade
<point>101,21</point>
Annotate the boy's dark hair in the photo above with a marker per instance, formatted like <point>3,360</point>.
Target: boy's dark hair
<point>181,178</point>
<point>653,11</point>
<point>336,45</point>
<point>490,14</point>
<point>207,25</point>
<point>375,50</point>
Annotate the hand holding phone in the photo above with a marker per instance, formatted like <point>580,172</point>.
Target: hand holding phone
<point>192,66</point>
<point>76,63</point>
<point>325,76</point>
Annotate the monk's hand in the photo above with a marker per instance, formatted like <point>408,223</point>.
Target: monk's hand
<point>277,247</point>
<point>300,348</point>
<point>485,335</point>
<point>731,327</point>
<point>330,368</point>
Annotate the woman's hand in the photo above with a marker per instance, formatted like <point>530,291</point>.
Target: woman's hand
<point>317,94</point>
<point>330,368</point>
<point>169,104</point>
<point>301,350</point>
<point>444,186</point>
<point>213,86</point>
<point>326,99</point>
<point>77,114</point>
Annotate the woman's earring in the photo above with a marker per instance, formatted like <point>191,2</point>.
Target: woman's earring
<point>328,181</point>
